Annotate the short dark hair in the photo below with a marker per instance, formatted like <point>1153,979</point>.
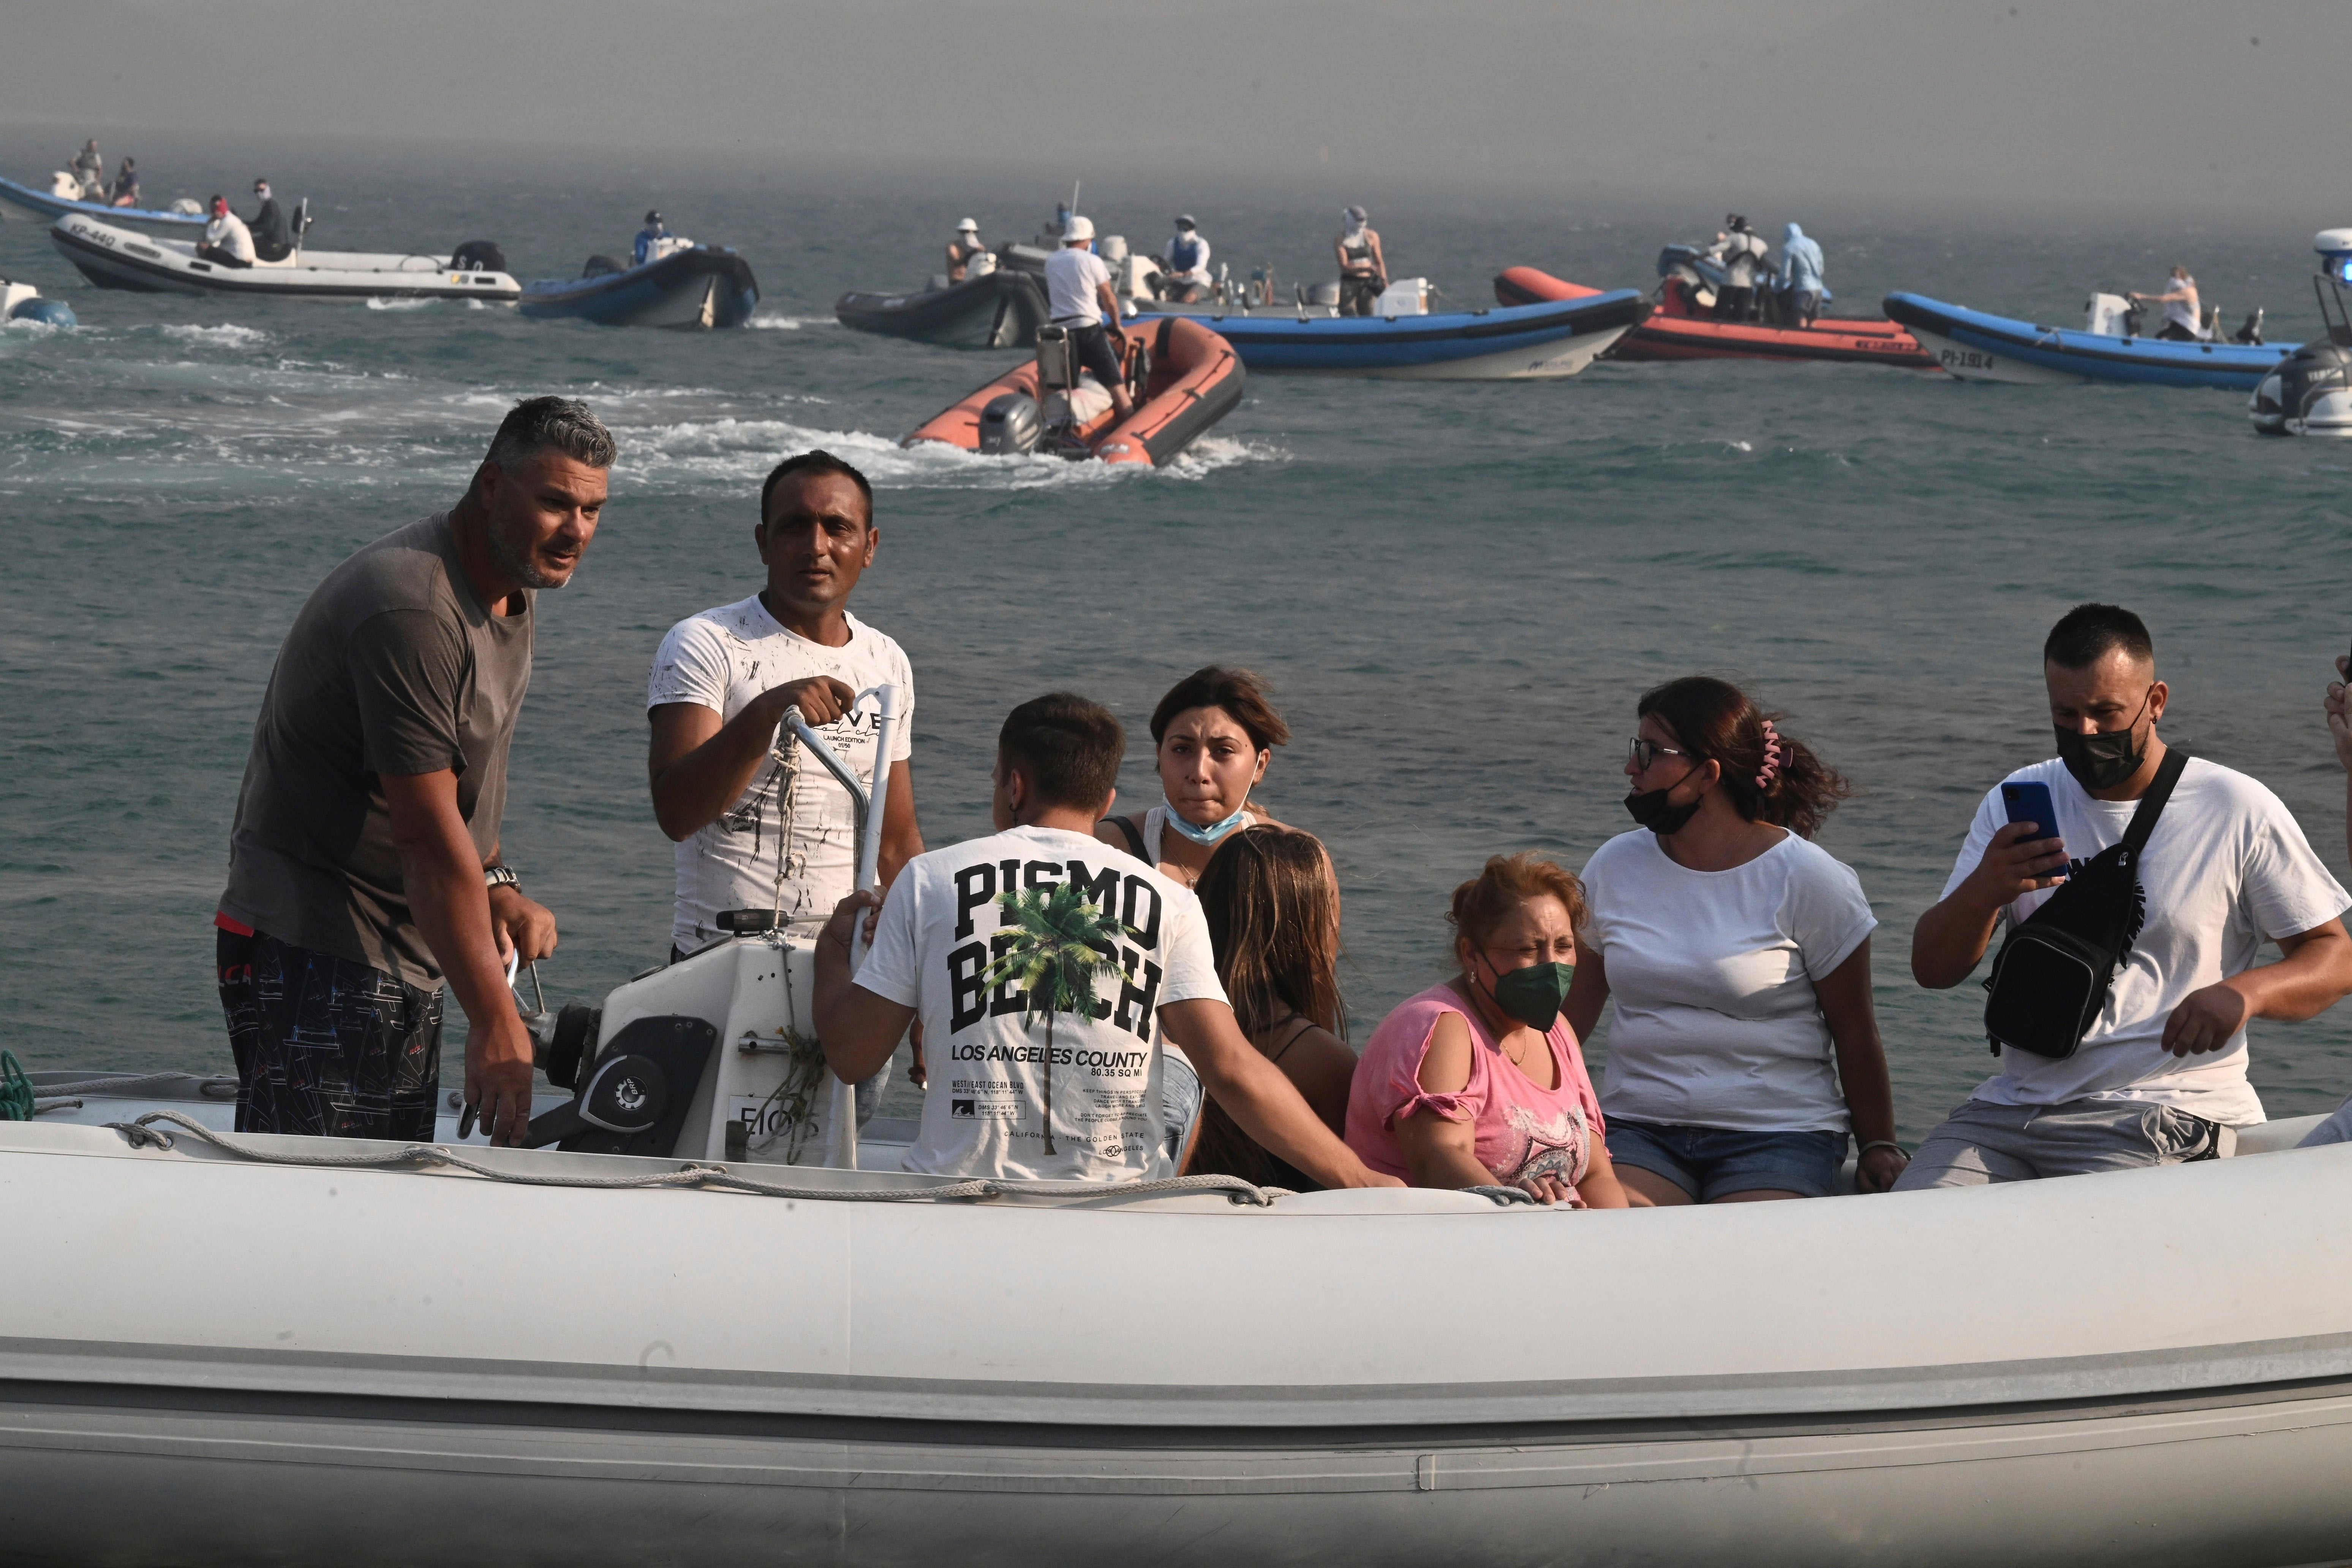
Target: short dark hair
<point>1237,691</point>
<point>1070,749</point>
<point>2088,633</point>
<point>816,461</point>
<point>539,424</point>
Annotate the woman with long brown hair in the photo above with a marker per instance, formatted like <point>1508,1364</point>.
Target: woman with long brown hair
<point>1273,910</point>
<point>1743,1048</point>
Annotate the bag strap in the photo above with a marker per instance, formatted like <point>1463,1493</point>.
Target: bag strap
<point>1126,829</point>
<point>2151,804</point>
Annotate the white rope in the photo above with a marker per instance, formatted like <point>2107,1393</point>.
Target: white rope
<point>115,1083</point>
<point>141,1135</point>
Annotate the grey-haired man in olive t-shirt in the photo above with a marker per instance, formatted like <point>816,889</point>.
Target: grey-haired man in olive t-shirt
<point>363,865</point>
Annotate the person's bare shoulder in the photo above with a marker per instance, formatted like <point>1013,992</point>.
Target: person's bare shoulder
<point>1106,831</point>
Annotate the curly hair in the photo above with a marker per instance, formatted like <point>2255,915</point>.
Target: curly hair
<point>1769,777</point>
<point>1505,882</point>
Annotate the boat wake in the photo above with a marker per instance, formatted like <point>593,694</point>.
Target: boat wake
<point>737,450</point>
<point>779,323</point>
<point>227,335</point>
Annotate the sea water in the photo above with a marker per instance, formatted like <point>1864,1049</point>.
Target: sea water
<point>1458,591</point>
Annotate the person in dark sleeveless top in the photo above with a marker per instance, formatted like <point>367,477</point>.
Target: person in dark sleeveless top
<point>1273,908</point>
<point>1213,734</point>
<point>1363,270</point>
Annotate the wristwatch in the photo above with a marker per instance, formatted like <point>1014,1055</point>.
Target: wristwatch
<point>500,877</point>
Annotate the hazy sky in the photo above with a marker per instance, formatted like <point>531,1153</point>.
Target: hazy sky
<point>2203,107</point>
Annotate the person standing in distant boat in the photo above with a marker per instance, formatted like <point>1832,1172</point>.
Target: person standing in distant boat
<point>652,234</point>
<point>1803,275</point>
<point>89,168</point>
<point>270,239</point>
<point>963,250</point>
<point>1363,267</point>
<point>226,242</point>
<point>364,868</point>
<point>1078,296</point>
<point>1213,736</point>
<point>2183,323</point>
<point>126,186</point>
<point>1184,259</point>
<point>1744,255</point>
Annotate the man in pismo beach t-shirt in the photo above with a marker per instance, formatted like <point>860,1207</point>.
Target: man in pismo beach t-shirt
<point>1044,1012</point>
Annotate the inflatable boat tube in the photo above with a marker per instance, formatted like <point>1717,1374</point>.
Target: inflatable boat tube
<point>23,302</point>
<point>998,309</point>
<point>707,286</point>
<point>545,1357</point>
<point>1196,380</point>
<point>1975,346</point>
<point>1539,342</point>
<point>117,258</point>
<point>1673,331</point>
<point>42,207</point>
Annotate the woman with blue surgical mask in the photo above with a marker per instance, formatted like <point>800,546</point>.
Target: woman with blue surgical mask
<point>1212,734</point>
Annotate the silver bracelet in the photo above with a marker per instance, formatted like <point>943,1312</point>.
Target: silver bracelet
<point>1882,1143</point>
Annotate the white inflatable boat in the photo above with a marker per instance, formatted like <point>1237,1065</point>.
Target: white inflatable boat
<point>115,257</point>
<point>751,1338</point>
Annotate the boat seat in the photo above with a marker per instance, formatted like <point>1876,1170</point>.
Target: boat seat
<point>1079,404</point>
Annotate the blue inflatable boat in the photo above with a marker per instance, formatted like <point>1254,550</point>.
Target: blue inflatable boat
<point>42,206</point>
<point>699,286</point>
<point>1514,343</point>
<point>1977,347</point>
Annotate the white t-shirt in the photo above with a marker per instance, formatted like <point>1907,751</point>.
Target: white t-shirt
<point>2226,868</point>
<point>1072,275</point>
<point>985,1111</point>
<point>1711,975</point>
<point>2181,314</point>
<point>227,232</point>
<point>721,659</point>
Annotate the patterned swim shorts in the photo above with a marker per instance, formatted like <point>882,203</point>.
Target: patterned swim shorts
<point>325,1046</point>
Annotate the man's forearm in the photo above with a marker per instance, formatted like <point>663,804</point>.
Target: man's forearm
<point>2303,984</point>
<point>691,792</point>
<point>443,879</point>
<point>1948,944</point>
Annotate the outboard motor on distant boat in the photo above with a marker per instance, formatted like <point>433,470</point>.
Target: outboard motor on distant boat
<point>2111,316</point>
<point>1011,426</point>
<point>2310,394</point>
<point>478,256</point>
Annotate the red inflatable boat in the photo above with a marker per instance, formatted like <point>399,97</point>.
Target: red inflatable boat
<point>1677,330</point>
<point>1184,377</point>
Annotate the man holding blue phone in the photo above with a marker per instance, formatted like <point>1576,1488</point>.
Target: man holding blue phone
<point>2159,1076</point>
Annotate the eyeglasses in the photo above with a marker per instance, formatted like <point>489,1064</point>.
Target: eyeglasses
<point>1645,753</point>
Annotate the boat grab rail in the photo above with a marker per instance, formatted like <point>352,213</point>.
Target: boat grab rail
<point>144,1134</point>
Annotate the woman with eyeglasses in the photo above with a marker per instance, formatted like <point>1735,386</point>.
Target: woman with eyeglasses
<point>1478,1082</point>
<point>1213,736</point>
<point>1743,1049</point>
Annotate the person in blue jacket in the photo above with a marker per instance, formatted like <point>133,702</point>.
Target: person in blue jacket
<point>1801,273</point>
<point>647,235</point>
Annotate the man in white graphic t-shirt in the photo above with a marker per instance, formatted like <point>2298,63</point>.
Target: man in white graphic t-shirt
<point>2160,1076</point>
<point>758,827</point>
<point>1046,968</point>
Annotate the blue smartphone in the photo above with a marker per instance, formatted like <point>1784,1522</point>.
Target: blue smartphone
<point>2031,803</point>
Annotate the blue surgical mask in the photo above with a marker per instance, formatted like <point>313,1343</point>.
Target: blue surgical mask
<point>1202,836</point>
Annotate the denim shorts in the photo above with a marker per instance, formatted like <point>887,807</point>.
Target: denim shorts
<point>1710,1162</point>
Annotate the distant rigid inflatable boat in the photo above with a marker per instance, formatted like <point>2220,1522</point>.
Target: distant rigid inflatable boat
<point>1526,342</point>
<point>2310,394</point>
<point>117,258</point>
<point>690,286</point>
<point>1002,309</point>
<point>1676,330</point>
<point>1191,378</point>
<point>753,1339</point>
<point>42,206</point>
<point>1976,346</point>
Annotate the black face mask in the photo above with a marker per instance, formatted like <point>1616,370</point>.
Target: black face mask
<point>1651,810</point>
<point>2104,761</point>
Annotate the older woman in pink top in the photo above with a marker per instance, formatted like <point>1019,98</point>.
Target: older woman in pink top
<point>1479,1082</point>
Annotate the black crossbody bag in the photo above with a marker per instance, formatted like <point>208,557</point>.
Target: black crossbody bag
<point>2052,975</point>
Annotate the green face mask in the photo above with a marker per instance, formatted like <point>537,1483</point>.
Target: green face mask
<point>1533,994</point>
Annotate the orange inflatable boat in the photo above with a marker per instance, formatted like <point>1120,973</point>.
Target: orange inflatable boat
<point>1678,330</point>
<point>1182,376</point>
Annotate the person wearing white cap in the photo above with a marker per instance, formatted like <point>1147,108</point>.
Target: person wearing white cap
<point>1184,276</point>
<point>1363,270</point>
<point>963,248</point>
<point>1078,296</point>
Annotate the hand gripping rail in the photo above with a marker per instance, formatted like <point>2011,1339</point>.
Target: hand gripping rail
<point>841,1111</point>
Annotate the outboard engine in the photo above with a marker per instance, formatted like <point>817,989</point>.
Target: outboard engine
<point>1011,426</point>
<point>2111,316</point>
<point>478,256</point>
<point>2310,394</point>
